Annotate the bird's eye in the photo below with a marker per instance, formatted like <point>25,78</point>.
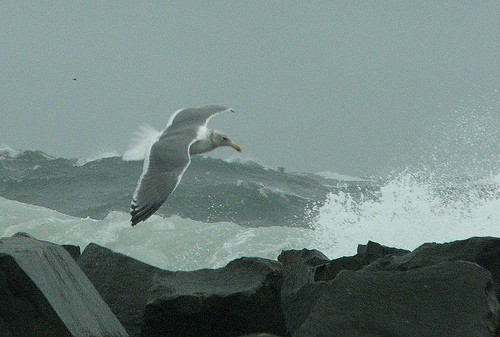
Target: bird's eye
<point>225,138</point>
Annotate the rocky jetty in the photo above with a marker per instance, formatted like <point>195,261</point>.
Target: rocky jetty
<point>449,289</point>
<point>123,283</point>
<point>241,298</point>
<point>44,293</point>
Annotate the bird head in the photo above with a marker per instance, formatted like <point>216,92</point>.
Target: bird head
<point>220,139</point>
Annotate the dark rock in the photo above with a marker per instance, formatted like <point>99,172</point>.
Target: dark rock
<point>485,251</point>
<point>74,251</point>
<point>44,293</point>
<point>373,251</point>
<point>298,268</point>
<point>122,281</point>
<point>297,307</point>
<point>298,271</point>
<point>22,235</point>
<point>241,298</point>
<point>366,255</point>
<point>260,335</point>
<point>449,299</point>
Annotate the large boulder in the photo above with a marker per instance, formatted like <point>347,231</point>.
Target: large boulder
<point>241,298</point>
<point>299,268</point>
<point>298,278</point>
<point>74,251</point>
<point>122,281</point>
<point>303,269</point>
<point>449,299</point>
<point>366,254</point>
<point>44,293</point>
<point>260,335</point>
<point>301,294</point>
<point>485,251</point>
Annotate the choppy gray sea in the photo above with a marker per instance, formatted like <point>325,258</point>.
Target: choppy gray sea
<point>226,209</point>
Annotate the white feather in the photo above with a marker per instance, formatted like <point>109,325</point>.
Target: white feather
<point>140,143</point>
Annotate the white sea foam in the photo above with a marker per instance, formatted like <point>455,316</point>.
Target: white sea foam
<point>100,155</point>
<point>407,213</point>
<point>239,159</point>
<point>8,152</point>
<point>338,176</point>
<point>141,141</point>
<point>172,243</point>
<point>454,194</point>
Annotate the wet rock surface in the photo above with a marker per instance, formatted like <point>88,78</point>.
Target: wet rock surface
<point>448,289</point>
<point>44,293</point>
<point>447,299</point>
<point>241,298</point>
<point>122,281</point>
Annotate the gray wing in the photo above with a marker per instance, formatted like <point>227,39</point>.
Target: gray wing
<point>167,160</point>
<point>195,116</point>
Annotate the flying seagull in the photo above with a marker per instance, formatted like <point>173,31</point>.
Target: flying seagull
<point>169,155</point>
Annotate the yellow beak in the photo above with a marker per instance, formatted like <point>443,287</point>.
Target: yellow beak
<point>236,147</point>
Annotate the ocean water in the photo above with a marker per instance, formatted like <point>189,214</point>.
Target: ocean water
<point>226,209</point>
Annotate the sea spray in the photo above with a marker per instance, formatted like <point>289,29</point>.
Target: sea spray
<point>407,212</point>
<point>451,192</point>
<point>172,243</point>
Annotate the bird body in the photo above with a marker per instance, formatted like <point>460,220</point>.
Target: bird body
<point>168,156</point>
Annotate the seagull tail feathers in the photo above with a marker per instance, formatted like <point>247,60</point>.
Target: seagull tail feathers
<point>141,213</point>
<point>142,140</point>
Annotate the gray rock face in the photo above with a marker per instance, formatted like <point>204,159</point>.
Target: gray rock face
<point>435,290</point>
<point>485,251</point>
<point>366,255</point>
<point>300,304</point>
<point>44,293</point>
<point>241,298</point>
<point>260,335</point>
<point>299,293</point>
<point>74,251</point>
<point>122,281</point>
<point>299,268</point>
<point>449,299</point>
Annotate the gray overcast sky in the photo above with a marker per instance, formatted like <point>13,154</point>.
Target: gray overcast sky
<point>346,86</point>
